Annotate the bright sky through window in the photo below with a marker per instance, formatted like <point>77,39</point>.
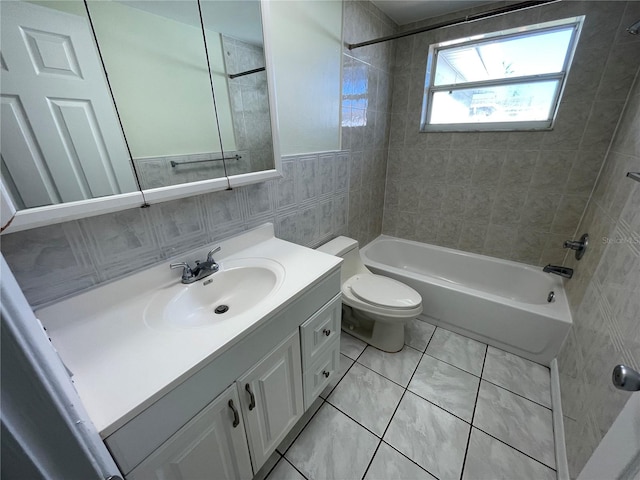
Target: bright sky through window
<point>509,80</point>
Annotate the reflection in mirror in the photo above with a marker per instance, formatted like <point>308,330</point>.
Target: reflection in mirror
<point>234,35</point>
<point>155,58</point>
<point>61,141</point>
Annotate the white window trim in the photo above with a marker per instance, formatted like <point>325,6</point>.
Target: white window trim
<point>547,124</point>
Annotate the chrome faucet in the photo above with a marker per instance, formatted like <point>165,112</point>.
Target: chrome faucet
<point>200,271</point>
<point>564,272</point>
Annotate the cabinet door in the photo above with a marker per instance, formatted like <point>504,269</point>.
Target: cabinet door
<point>271,397</point>
<point>212,445</point>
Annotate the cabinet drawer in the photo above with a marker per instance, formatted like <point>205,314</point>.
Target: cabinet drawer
<point>318,376</point>
<point>320,330</point>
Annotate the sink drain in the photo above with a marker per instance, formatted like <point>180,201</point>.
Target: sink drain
<point>221,309</point>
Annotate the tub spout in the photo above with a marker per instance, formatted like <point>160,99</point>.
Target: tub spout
<point>565,272</point>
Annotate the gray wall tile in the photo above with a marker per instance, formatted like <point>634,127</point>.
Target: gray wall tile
<point>604,295</point>
<point>86,252</point>
<point>539,172</point>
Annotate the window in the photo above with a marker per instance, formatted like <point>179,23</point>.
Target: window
<point>508,80</point>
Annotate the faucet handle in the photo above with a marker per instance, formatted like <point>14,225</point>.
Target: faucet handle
<point>210,254</point>
<point>186,269</point>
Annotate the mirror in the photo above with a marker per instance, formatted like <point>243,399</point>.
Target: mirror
<point>235,43</point>
<point>154,55</point>
<point>90,157</point>
<point>61,140</point>
<point>156,60</point>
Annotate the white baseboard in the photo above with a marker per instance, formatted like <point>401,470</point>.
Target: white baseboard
<point>562,466</point>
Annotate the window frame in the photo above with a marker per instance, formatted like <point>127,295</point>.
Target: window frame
<point>531,125</point>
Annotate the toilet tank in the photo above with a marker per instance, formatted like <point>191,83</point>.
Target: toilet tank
<point>347,249</point>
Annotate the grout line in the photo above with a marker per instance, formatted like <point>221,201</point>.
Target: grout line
<point>412,461</point>
<point>398,406</point>
<point>466,451</point>
<point>349,416</point>
<point>371,461</point>
<point>440,407</point>
<point>517,394</point>
<point>384,376</point>
<point>338,382</point>
<point>303,428</point>
<point>452,365</point>
<point>514,448</point>
<point>296,468</point>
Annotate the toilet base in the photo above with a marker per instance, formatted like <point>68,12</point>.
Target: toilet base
<point>385,336</point>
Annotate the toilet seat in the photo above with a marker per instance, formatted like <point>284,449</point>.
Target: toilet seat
<point>381,294</point>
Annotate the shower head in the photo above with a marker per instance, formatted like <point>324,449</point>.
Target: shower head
<point>634,29</point>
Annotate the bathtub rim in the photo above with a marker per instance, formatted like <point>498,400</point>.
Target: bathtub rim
<point>558,310</point>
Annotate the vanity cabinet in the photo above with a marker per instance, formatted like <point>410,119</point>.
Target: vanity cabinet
<point>272,402</point>
<point>272,375</point>
<point>213,441</point>
<point>320,339</point>
<point>266,403</point>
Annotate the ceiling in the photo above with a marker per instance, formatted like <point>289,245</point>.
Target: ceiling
<point>409,11</point>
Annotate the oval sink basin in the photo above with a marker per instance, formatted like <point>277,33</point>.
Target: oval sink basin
<point>238,287</point>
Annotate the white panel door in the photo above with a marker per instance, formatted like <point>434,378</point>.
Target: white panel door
<point>212,445</point>
<point>61,140</point>
<point>271,397</point>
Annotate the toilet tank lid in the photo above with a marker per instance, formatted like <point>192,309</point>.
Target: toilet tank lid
<point>338,246</point>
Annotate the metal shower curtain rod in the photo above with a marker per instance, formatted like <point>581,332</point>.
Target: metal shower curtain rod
<point>458,21</point>
<point>248,72</point>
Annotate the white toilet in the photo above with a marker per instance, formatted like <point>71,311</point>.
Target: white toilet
<point>374,308</point>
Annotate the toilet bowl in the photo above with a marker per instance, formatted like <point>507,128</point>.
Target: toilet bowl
<point>374,308</point>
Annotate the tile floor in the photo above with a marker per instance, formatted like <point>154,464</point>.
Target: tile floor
<point>444,407</point>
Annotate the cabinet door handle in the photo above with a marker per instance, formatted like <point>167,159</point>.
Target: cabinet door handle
<point>236,417</point>
<point>326,374</point>
<point>326,331</point>
<point>252,398</point>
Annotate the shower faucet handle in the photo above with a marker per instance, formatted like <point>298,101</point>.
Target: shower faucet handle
<point>580,246</point>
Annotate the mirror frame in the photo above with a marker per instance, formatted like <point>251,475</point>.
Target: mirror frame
<point>63,212</point>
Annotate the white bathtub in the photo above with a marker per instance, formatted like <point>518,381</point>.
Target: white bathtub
<point>495,301</point>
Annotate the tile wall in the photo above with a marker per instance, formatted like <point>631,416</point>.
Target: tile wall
<point>309,206</point>
<point>366,106</point>
<point>605,293</point>
<point>513,195</point>
<point>249,107</point>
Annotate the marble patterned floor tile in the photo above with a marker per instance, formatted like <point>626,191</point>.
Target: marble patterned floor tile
<point>397,366</point>
<point>350,346</point>
<point>332,446</point>
<point>457,350</point>
<point>367,397</point>
<point>297,428</point>
<point>418,333</point>
<point>431,437</point>
<point>521,376</point>
<point>345,364</point>
<point>284,471</point>
<point>518,422</point>
<point>489,459</point>
<point>448,387</point>
<point>389,464</point>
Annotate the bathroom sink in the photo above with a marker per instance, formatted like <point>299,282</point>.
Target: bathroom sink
<point>239,286</point>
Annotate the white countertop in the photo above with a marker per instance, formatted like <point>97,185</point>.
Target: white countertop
<point>121,366</point>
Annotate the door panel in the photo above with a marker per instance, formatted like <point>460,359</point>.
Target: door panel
<point>276,385</point>
<point>209,446</point>
<point>52,71</point>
